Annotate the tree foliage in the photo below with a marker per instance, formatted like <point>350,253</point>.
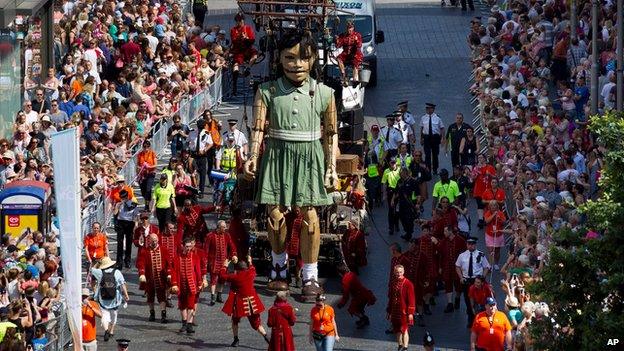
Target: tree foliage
<point>583,281</point>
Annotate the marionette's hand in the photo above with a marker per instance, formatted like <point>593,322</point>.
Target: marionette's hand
<point>250,168</point>
<point>331,178</point>
<point>174,289</point>
<point>142,278</point>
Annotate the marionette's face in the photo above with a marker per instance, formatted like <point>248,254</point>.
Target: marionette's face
<point>297,65</point>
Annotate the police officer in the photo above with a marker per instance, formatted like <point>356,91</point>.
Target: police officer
<point>240,139</point>
<point>389,180</point>
<point>227,155</point>
<point>392,138</point>
<point>405,128</point>
<point>454,135</point>
<point>470,264</point>
<point>410,119</point>
<point>432,134</point>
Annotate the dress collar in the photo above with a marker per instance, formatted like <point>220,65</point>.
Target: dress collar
<point>288,87</point>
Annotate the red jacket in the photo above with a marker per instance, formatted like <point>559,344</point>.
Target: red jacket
<point>218,247</point>
<point>189,271</point>
<point>281,318</point>
<point>171,243</point>
<point>401,299</point>
<point>239,236</point>
<point>354,248</point>
<point>449,251</point>
<point>156,276</point>
<point>360,295</point>
<point>139,232</point>
<point>193,223</point>
<point>442,220</point>
<point>242,38</point>
<point>243,300</point>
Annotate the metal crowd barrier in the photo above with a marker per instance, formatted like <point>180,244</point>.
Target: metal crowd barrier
<point>189,109</point>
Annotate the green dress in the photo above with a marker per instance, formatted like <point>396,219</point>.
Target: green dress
<point>292,168</point>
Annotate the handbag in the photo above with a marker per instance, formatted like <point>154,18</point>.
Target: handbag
<point>316,335</point>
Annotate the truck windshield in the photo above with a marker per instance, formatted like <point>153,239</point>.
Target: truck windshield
<point>363,25</point>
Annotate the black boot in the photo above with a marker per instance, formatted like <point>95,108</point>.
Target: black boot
<point>449,308</point>
<point>183,328</point>
<point>152,316</point>
<point>219,299</point>
<point>107,335</point>
<point>456,306</point>
<point>189,328</point>
<point>427,310</point>
<point>212,300</point>
<point>163,317</point>
<point>364,321</point>
<point>235,342</point>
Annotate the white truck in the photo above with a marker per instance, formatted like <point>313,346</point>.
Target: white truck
<point>362,13</point>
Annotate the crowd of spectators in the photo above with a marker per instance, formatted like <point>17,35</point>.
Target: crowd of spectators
<point>531,82</point>
<point>120,67</point>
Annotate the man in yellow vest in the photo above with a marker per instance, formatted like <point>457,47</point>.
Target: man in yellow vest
<point>373,179</point>
<point>227,156</point>
<point>376,141</point>
<point>389,181</point>
<point>404,159</point>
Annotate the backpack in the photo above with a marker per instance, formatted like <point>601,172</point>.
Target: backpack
<point>108,285</point>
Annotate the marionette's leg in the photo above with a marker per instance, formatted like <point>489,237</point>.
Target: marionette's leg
<point>235,74</point>
<point>356,72</point>
<point>310,245</point>
<point>341,67</point>
<point>235,322</point>
<point>276,230</point>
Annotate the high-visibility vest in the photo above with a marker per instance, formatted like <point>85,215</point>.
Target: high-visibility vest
<point>373,171</point>
<point>391,177</point>
<point>228,158</point>
<point>405,163</point>
<point>381,144</point>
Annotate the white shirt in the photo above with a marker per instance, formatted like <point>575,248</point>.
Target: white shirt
<point>153,42</point>
<point>436,124</point>
<point>410,119</point>
<point>479,263</point>
<point>205,140</point>
<point>393,140</point>
<point>31,117</point>
<point>406,130</point>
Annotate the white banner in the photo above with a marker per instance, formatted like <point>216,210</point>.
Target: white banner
<point>66,160</point>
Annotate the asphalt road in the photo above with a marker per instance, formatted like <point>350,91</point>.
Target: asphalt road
<point>424,59</point>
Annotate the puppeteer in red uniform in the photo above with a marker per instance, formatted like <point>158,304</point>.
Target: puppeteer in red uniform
<point>243,51</point>
<point>450,247</point>
<point>191,221</point>
<point>424,266</point>
<point>360,296</point>
<point>401,302</point>
<point>243,300</point>
<point>188,280</point>
<point>354,247</point>
<point>143,231</point>
<point>170,241</point>
<point>219,248</point>
<point>155,270</point>
<point>351,44</point>
<point>238,233</point>
<point>281,318</point>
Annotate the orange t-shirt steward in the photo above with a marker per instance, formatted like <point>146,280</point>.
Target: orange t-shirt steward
<point>96,245</point>
<point>491,336</point>
<point>88,321</point>
<point>322,320</point>
<point>148,157</point>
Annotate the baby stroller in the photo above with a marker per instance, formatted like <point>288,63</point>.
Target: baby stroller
<point>224,185</point>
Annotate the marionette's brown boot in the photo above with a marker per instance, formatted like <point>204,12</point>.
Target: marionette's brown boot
<point>311,288</point>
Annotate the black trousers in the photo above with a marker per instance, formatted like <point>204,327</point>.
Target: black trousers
<point>431,146</point>
<point>164,215</point>
<point>465,286</point>
<point>470,3</point>
<point>393,216</point>
<point>210,161</point>
<point>146,186</point>
<point>202,165</point>
<point>125,230</point>
<point>455,159</point>
<point>407,221</point>
<point>373,190</point>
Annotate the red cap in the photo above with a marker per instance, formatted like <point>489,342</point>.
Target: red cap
<point>375,127</point>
